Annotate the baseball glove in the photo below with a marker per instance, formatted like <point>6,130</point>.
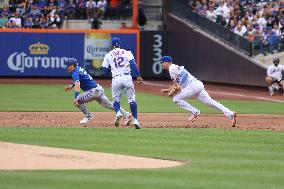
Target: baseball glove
<point>174,90</point>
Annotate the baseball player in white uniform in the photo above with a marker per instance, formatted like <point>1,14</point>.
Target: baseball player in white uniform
<point>274,76</point>
<point>192,87</point>
<point>122,65</point>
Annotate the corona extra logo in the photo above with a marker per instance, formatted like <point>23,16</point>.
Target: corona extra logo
<point>20,61</point>
<point>39,48</point>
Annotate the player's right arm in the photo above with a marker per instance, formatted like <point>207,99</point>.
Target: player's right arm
<point>106,65</point>
<point>75,77</point>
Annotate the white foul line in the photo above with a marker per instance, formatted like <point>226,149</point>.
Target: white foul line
<point>221,93</point>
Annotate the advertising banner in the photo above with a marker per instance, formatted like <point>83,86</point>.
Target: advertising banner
<point>42,54</point>
<point>38,54</point>
<point>99,44</point>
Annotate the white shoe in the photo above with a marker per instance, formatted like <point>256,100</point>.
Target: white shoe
<point>193,117</point>
<point>117,119</point>
<point>86,120</point>
<point>127,120</point>
<point>136,124</point>
<point>271,90</point>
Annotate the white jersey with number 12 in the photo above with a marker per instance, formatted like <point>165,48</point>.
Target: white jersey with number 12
<point>118,59</point>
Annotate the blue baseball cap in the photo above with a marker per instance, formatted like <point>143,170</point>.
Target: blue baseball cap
<point>166,59</point>
<point>71,61</point>
<point>116,42</point>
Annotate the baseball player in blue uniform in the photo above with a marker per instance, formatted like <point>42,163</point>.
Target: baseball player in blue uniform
<point>92,91</point>
<point>122,65</point>
<point>191,87</point>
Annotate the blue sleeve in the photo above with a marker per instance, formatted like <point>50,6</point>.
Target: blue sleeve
<point>134,69</point>
<point>107,70</point>
<point>75,77</point>
<point>183,77</point>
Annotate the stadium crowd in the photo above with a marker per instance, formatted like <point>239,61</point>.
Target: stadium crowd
<point>259,21</point>
<point>51,13</point>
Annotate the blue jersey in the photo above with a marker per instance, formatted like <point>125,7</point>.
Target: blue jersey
<point>86,81</point>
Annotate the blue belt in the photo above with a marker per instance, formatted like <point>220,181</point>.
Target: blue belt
<point>122,74</point>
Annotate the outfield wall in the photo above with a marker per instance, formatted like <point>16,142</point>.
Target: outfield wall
<point>41,53</point>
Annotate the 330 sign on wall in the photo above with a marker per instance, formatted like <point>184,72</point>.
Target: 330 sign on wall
<point>153,47</point>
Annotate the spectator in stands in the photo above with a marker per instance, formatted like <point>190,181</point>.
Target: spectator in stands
<point>71,9</point>
<point>102,6</point>
<point>232,25</point>
<point>15,20</point>
<point>43,22</point>
<point>52,3</point>
<point>41,4</point>
<point>4,3</point>
<point>34,12</point>
<point>55,22</point>
<point>5,11</point>
<point>3,20</point>
<point>258,39</point>
<point>91,6</point>
<point>80,9</point>
<point>272,40</point>
<point>36,24</point>
<point>211,14</point>
<point>21,7</point>
<point>239,30</point>
<point>28,22</point>
<point>61,8</point>
<point>45,11</point>
<point>114,9</point>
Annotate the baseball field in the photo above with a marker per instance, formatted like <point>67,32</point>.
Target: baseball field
<point>42,145</point>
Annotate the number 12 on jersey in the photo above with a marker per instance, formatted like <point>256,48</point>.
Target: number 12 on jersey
<point>118,62</point>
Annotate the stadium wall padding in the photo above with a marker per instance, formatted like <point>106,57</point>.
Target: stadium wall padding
<point>41,53</point>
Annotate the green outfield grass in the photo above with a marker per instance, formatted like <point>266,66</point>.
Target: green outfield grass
<point>28,97</point>
<point>214,158</point>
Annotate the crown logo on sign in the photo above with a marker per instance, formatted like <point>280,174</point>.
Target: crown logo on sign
<point>38,48</point>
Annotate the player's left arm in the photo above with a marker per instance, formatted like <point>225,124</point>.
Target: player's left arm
<point>134,70</point>
<point>183,76</point>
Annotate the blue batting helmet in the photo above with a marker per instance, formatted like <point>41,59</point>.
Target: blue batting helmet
<point>116,42</point>
<point>166,59</point>
<point>71,61</point>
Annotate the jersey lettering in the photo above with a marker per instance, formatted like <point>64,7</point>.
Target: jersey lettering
<point>118,62</point>
<point>85,73</point>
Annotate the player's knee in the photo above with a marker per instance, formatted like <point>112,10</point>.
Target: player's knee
<point>175,100</point>
<point>268,80</point>
<point>131,100</point>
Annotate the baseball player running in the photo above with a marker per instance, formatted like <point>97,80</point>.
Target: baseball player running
<point>274,76</point>
<point>92,91</point>
<point>122,66</point>
<point>188,86</point>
